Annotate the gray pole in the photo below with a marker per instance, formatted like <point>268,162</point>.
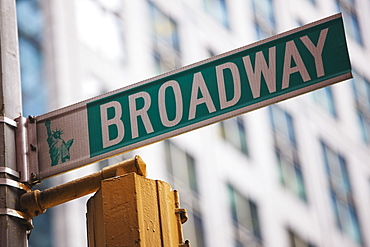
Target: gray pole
<point>13,230</point>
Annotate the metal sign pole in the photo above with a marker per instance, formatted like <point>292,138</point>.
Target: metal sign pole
<point>13,227</point>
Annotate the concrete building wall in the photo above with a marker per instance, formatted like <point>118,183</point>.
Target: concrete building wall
<point>82,63</point>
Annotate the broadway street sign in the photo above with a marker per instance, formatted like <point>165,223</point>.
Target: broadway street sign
<point>263,73</point>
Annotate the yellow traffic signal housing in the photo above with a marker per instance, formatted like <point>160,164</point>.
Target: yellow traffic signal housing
<point>131,210</point>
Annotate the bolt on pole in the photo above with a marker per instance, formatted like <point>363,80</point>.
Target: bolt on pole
<point>13,227</point>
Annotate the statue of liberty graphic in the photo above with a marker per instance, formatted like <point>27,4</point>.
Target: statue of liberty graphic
<point>58,148</point>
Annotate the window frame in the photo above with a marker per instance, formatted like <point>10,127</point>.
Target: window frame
<point>340,193</point>
<point>286,151</point>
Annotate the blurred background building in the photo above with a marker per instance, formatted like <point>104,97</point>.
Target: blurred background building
<point>295,174</point>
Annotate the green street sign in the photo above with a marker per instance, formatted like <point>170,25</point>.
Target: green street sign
<point>263,73</point>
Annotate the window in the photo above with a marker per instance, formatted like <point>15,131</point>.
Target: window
<point>233,131</point>
<point>100,28</point>
<point>245,217</point>
<point>30,25</point>
<point>34,99</point>
<point>264,18</point>
<point>166,47</point>
<point>193,229</point>
<point>324,98</point>
<point>352,26</point>
<point>340,193</point>
<point>296,241</point>
<point>361,89</point>
<point>181,167</point>
<point>218,9</point>
<point>364,122</point>
<point>286,150</point>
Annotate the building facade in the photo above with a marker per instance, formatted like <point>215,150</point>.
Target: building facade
<point>292,174</point>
